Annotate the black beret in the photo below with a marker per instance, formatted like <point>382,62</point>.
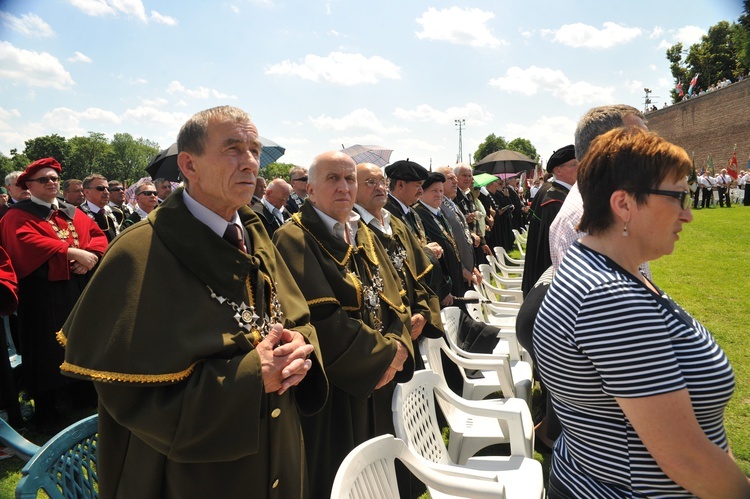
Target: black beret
<point>406,170</point>
<point>433,177</point>
<point>560,157</point>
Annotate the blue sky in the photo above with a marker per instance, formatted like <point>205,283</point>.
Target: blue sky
<point>316,74</point>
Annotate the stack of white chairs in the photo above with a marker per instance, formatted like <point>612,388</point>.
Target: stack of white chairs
<point>520,240</point>
<point>506,259</point>
<point>415,422</point>
<point>488,274</point>
<point>503,268</point>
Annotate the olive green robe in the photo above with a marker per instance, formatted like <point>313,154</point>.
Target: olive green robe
<point>355,353</point>
<point>183,410</point>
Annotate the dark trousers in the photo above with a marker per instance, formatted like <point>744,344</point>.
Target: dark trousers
<point>724,195</point>
<point>707,197</point>
<point>746,199</point>
<point>696,198</point>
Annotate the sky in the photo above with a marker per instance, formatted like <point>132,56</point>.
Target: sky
<point>318,74</point>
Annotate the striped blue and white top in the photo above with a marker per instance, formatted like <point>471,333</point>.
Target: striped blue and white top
<point>601,334</point>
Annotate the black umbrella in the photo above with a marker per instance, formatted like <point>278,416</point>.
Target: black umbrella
<point>164,165</point>
<point>504,161</point>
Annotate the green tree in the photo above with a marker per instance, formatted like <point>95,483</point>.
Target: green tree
<point>491,144</point>
<point>524,146</point>
<point>276,170</point>
<point>129,157</point>
<point>47,146</point>
<point>87,155</point>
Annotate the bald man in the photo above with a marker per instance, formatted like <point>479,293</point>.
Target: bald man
<point>358,308</point>
<point>271,207</point>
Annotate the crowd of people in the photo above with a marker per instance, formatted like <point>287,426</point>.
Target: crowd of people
<point>239,334</point>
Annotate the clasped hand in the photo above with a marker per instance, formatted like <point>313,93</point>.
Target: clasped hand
<point>284,359</point>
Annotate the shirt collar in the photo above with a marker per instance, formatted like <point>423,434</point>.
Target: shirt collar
<point>569,186</point>
<point>404,208</point>
<point>434,211</point>
<point>368,218</point>
<point>51,205</point>
<point>333,225</point>
<point>275,211</point>
<point>94,208</point>
<point>214,222</point>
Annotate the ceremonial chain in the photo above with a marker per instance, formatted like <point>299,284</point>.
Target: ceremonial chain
<point>248,319</point>
<point>371,296</point>
<point>64,234</point>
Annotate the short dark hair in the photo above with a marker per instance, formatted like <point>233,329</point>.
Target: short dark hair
<point>194,133</point>
<point>94,176</point>
<point>628,159</point>
<point>599,120</point>
<point>70,183</point>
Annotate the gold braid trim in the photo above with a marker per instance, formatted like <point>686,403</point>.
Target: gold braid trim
<point>127,378</point>
<point>319,301</point>
<point>420,276</point>
<point>297,219</point>
<point>61,338</point>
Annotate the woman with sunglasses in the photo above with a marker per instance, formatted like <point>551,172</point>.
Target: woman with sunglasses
<point>53,247</point>
<point>638,384</point>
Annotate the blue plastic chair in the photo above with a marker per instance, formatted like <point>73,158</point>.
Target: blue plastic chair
<point>64,467</point>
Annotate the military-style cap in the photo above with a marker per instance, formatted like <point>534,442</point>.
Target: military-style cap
<point>433,177</point>
<point>560,157</point>
<point>406,170</point>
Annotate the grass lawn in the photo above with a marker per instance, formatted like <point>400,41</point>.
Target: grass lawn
<point>705,275</point>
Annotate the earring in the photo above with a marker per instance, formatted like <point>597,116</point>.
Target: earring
<point>625,230</point>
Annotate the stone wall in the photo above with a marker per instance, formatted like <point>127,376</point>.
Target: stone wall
<point>710,124</point>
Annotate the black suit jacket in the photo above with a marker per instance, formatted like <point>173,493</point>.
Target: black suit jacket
<point>270,222</point>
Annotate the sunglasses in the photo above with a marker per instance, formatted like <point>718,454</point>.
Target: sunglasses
<point>301,179</point>
<point>115,189</point>
<point>100,188</point>
<point>44,180</point>
<point>147,193</point>
<point>682,196</point>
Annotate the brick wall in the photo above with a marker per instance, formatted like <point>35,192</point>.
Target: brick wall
<point>710,124</point>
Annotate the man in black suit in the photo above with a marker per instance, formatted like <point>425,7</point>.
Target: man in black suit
<point>271,207</point>
<point>298,180</point>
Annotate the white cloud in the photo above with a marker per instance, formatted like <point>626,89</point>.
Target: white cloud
<point>69,122</point>
<point>162,19</point>
<point>634,86</point>
<point>149,115</point>
<point>28,25</point>
<point>653,67</point>
<point>687,35</point>
<point>129,8</point>
<point>582,35</point>
<point>460,26</point>
<point>234,9</point>
<point>159,101</point>
<point>339,68</point>
<point>79,57</point>
<point>534,79</point>
<point>6,114</point>
<point>657,32</point>
<point>38,69</point>
<point>137,81</point>
<point>547,134</point>
<point>474,114</point>
<point>175,87</point>
<point>361,118</point>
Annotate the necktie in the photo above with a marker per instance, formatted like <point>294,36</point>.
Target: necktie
<point>412,220</point>
<point>444,223</point>
<point>233,235</point>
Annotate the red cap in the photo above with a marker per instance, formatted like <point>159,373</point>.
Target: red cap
<point>35,167</point>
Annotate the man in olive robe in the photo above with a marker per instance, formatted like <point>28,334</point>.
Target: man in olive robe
<point>359,310</point>
<point>196,373</point>
<point>404,251</point>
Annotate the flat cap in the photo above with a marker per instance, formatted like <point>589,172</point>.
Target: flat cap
<point>560,157</point>
<point>406,170</point>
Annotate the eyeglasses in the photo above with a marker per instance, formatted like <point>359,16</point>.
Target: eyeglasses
<point>115,189</point>
<point>44,180</point>
<point>682,196</point>
<point>100,188</point>
<point>373,183</point>
<point>147,193</point>
<point>301,179</point>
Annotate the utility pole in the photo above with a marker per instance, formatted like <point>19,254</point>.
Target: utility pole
<point>647,99</point>
<point>460,124</point>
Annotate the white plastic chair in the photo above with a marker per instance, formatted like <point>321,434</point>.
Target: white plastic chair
<point>496,294</point>
<point>504,257</point>
<point>507,351</point>
<point>505,270</point>
<point>368,472</point>
<point>497,279</point>
<point>415,421</point>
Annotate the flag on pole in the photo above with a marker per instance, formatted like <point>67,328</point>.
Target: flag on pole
<point>680,93</point>
<point>733,170</point>
<point>693,83</point>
